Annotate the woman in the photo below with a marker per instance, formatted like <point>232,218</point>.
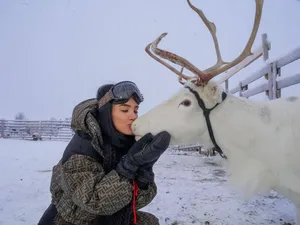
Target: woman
<point>104,175</point>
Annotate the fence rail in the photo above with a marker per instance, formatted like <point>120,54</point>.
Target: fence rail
<point>36,130</point>
<point>59,131</point>
<point>271,71</point>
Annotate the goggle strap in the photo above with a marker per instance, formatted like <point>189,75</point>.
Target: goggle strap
<point>105,99</point>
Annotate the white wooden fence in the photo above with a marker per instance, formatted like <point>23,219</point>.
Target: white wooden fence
<point>272,86</point>
<point>36,130</point>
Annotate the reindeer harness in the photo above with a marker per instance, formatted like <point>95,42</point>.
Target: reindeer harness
<point>206,113</point>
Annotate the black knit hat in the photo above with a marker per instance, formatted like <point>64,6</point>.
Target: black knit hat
<point>102,90</point>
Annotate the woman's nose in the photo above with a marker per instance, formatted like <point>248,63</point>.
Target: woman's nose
<point>133,116</point>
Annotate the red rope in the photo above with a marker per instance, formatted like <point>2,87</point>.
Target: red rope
<point>135,193</point>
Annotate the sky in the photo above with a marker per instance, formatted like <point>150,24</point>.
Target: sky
<point>56,53</point>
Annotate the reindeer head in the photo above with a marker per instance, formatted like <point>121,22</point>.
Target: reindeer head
<point>181,115</point>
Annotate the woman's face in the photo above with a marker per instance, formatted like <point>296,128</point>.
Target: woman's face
<point>123,116</point>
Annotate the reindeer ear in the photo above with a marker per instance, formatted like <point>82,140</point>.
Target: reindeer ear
<point>213,89</point>
<point>214,92</point>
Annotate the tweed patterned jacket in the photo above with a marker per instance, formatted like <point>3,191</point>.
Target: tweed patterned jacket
<point>81,189</point>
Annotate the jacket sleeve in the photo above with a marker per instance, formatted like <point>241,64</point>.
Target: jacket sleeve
<point>93,190</point>
<point>144,197</point>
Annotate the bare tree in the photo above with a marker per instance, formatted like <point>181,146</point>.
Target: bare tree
<point>20,116</point>
<point>2,127</point>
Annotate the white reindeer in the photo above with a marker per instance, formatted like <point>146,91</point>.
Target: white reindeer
<point>261,139</point>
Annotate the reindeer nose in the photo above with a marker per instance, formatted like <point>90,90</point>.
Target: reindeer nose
<point>133,127</point>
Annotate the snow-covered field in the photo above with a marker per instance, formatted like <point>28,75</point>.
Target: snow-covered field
<point>192,189</point>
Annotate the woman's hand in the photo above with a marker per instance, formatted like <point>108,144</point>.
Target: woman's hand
<point>146,150</point>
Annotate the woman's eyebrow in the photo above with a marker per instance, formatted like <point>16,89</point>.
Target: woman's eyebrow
<point>125,105</point>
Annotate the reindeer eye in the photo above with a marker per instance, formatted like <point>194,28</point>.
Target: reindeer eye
<point>186,102</point>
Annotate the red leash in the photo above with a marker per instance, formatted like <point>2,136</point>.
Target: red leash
<point>135,193</point>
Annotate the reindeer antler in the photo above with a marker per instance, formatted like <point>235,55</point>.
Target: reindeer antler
<point>204,76</point>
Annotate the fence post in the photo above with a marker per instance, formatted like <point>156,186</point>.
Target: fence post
<point>266,46</point>
<point>276,92</point>
<point>40,129</point>
<point>241,89</point>
<point>226,86</point>
<point>270,82</point>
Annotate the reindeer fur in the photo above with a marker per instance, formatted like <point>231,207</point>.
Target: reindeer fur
<point>260,138</point>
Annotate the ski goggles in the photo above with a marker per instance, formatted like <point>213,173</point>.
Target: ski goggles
<point>122,92</point>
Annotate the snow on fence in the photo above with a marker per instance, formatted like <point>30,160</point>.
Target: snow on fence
<point>36,130</point>
<point>271,71</point>
<point>260,51</point>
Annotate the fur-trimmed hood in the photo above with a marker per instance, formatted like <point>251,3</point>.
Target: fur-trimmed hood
<point>83,118</point>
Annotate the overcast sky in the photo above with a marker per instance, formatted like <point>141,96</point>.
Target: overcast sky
<point>56,53</point>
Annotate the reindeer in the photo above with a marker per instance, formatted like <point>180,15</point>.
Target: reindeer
<point>260,139</point>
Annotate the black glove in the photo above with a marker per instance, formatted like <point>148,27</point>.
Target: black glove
<point>146,150</point>
<point>145,175</point>
<point>125,166</point>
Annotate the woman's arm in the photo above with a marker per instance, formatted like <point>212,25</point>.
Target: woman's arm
<point>84,179</point>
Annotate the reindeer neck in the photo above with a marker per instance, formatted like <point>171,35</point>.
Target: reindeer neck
<point>237,123</point>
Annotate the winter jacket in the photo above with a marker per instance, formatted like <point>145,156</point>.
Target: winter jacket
<point>85,191</point>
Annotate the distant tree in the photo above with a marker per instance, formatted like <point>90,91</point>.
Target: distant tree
<point>2,127</point>
<point>20,116</point>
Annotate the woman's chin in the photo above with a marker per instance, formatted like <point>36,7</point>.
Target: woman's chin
<point>127,132</point>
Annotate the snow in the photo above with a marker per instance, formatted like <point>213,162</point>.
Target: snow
<point>192,189</point>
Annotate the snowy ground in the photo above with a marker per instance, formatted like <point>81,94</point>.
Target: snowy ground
<point>192,189</point>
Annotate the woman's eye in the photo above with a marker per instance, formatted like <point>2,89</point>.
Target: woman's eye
<point>186,102</point>
<point>125,111</point>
